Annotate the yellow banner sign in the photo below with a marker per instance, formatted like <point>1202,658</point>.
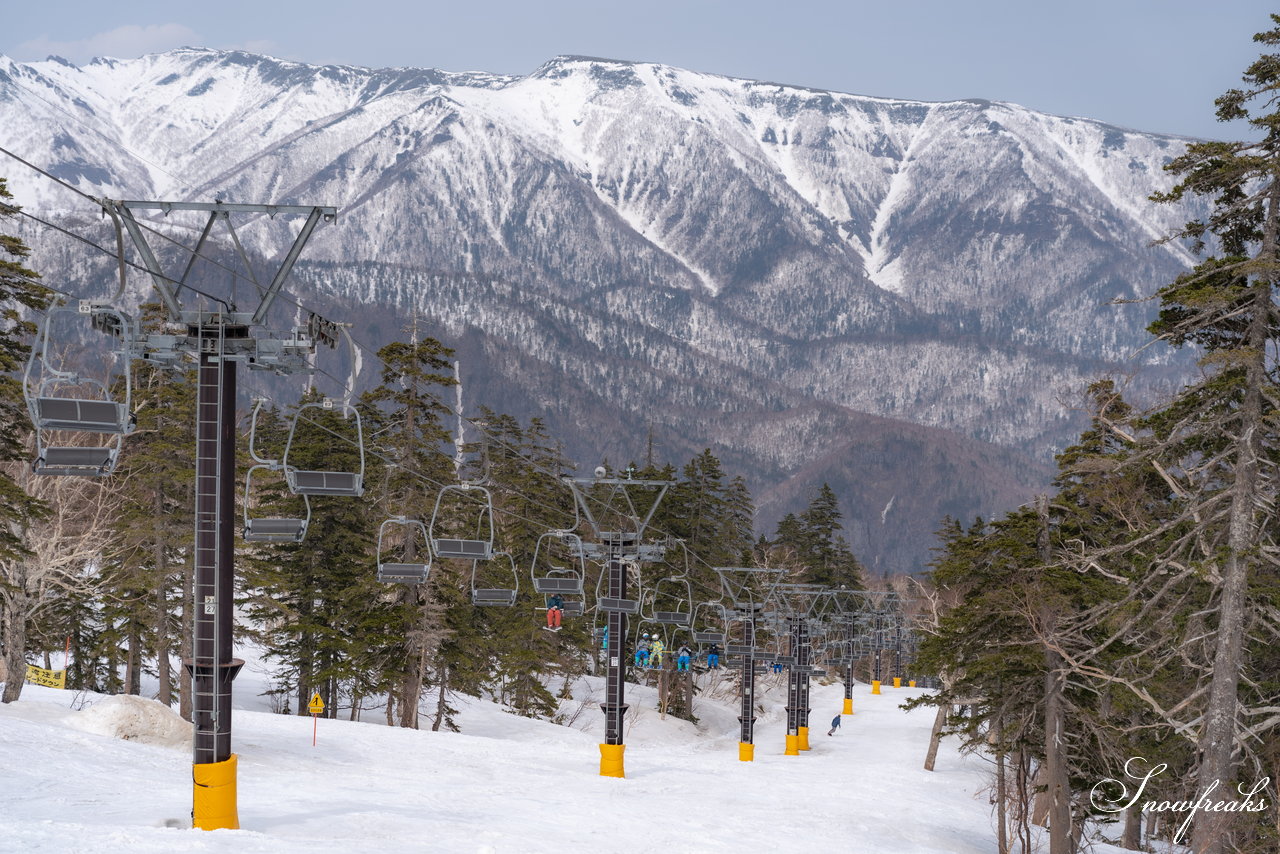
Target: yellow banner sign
<point>47,678</point>
<point>316,706</point>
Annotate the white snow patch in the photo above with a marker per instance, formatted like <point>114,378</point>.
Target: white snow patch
<point>133,719</point>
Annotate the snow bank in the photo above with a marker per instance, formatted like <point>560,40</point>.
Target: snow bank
<point>134,719</point>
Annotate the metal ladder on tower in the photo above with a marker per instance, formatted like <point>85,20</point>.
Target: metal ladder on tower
<point>207,686</point>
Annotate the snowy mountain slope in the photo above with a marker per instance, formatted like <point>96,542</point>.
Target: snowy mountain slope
<point>503,784</point>
<point>735,248</point>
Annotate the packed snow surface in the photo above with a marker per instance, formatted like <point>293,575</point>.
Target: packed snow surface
<point>84,780</point>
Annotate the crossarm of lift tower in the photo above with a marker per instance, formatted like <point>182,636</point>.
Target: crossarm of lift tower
<point>217,211</point>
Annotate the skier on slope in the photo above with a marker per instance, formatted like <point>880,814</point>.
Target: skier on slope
<point>835,725</point>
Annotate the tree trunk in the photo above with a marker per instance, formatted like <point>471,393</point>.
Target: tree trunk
<point>935,737</point>
<point>1040,800</point>
<point>14,638</point>
<point>442,684</point>
<point>186,637</point>
<point>995,738</point>
<point>1131,839</point>
<point>133,661</point>
<point>1210,833</point>
<point>415,674</point>
<point>165,694</point>
<point>1058,795</point>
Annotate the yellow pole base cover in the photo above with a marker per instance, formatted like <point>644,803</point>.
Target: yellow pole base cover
<point>611,760</point>
<point>911,683</point>
<point>214,804</point>
<point>746,752</point>
<point>875,687</point>
<point>897,682</point>
<point>793,745</point>
<point>848,706</point>
<point>803,736</point>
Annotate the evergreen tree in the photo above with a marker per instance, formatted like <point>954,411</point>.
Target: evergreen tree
<point>1219,435</point>
<point>318,603</point>
<point>148,572</point>
<point>814,543</point>
<point>406,415</point>
<point>18,291</point>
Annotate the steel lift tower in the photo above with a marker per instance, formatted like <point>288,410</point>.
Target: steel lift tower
<point>618,521</point>
<point>219,338</point>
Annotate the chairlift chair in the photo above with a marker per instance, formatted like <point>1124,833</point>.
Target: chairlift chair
<point>60,399</point>
<point>701,619</point>
<point>495,596</point>
<point>557,579</point>
<point>314,482</point>
<point>453,547</point>
<point>269,529</point>
<point>276,529</point>
<point>403,572</point>
<point>683,595</point>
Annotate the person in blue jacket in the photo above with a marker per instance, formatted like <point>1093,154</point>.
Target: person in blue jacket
<point>713,656</point>
<point>555,610</point>
<point>835,725</point>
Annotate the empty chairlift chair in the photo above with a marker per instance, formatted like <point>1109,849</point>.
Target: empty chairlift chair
<point>484,573</point>
<point>272,529</point>
<point>269,529</point>
<point>407,571</point>
<point>678,587</point>
<point>709,622</point>
<point>315,482</point>
<point>480,547</point>
<point>64,400</point>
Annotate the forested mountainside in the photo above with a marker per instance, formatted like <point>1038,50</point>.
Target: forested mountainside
<point>898,297</point>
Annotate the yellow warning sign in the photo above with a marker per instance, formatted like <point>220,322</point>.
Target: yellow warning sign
<point>316,706</point>
<point>47,678</point>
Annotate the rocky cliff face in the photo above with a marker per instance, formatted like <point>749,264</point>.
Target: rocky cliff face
<point>894,296</point>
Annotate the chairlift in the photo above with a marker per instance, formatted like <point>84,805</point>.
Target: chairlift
<point>560,580</point>
<point>653,628</point>
<point>276,529</point>
<point>495,596</point>
<point>676,586</point>
<point>404,572</point>
<point>679,617</point>
<point>453,547</point>
<point>311,482</point>
<point>611,604</point>
<point>704,614</point>
<point>62,399</point>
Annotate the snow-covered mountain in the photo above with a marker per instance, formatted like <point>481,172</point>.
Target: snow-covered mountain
<point>894,296</point>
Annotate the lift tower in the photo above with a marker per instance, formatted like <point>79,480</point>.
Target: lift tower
<point>219,338</point>
<point>746,588</point>
<point>618,510</point>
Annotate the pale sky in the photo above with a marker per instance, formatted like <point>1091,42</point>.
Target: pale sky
<point>1152,65</point>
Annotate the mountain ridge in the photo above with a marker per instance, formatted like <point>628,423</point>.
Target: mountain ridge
<point>731,249</point>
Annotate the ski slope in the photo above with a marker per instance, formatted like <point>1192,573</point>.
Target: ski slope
<point>503,784</point>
